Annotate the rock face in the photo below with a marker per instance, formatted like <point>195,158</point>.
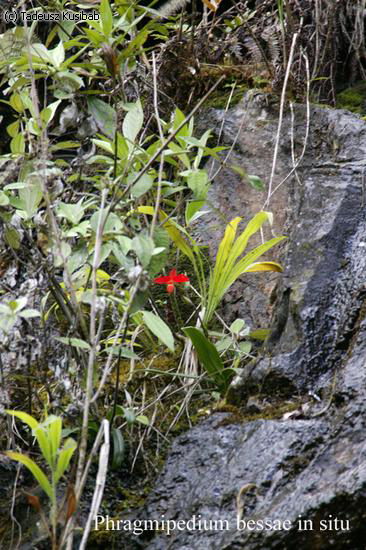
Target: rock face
<point>307,470</point>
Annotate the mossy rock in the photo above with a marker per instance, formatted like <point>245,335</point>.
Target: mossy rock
<point>353,99</point>
<point>220,98</point>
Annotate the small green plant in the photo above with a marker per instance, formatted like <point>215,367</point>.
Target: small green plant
<point>49,436</point>
<point>11,311</point>
<point>229,264</point>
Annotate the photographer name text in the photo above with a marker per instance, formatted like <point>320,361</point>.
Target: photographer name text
<point>22,16</point>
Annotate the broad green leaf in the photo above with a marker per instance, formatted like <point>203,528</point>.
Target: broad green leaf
<point>80,229</point>
<point>104,115</point>
<point>245,347</point>
<point>161,240</point>
<point>256,182</point>
<point>29,313</point>
<point>113,223</point>
<point>147,210</point>
<point>72,212</point>
<point>224,344</point>
<point>106,17</point>
<point>105,145</point>
<point>143,184</point>
<point>76,342</point>
<point>30,198</point>
<point>102,276</point>
<point>178,119</point>
<point>159,328</point>
<point>132,123</point>
<point>17,145</point>
<point>35,470</point>
<point>124,261</point>
<point>66,84</point>
<point>198,182</point>
<point>18,305</point>
<point>28,103</point>
<point>12,237</point>
<point>122,147</point>
<point>57,55</point>
<point>143,246</point>
<point>121,351</point>
<point>59,258</point>
<point>181,153</point>
<point>105,252</point>
<point>40,52</point>
<point>192,207</point>
<point>94,36</point>
<point>129,415</point>
<point>259,334</point>
<point>209,358</point>
<point>237,326</point>
<point>4,199</point>
<point>16,103</point>
<point>125,243</point>
<point>48,113</point>
<point>13,129</point>
<point>143,420</point>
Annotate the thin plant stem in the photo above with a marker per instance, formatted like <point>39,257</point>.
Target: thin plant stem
<point>280,119</point>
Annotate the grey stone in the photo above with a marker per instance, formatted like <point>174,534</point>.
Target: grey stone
<point>313,468</point>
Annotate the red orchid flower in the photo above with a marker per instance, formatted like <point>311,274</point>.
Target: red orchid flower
<point>171,279</point>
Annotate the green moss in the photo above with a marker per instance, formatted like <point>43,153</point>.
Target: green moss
<point>239,416</point>
<point>353,99</point>
<point>102,538</point>
<point>220,98</point>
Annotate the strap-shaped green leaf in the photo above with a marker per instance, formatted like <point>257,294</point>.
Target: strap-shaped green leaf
<point>228,267</point>
<point>219,269</point>
<point>241,242</point>
<point>36,471</point>
<point>172,231</point>
<point>248,260</point>
<point>224,251</point>
<point>24,417</point>
<point>209,358</point>
<point>44,444</point>
<point>64,457</point>
<point>54,430</point>
<point>118,448</point>
<point>264,266</point>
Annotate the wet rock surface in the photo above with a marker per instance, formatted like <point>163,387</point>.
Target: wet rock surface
<point>310,465</point>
